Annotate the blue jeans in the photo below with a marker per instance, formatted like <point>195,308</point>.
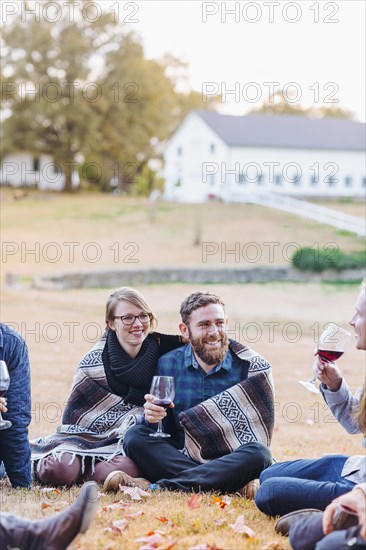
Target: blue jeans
<point>298,484</point>
<point>162,463</point>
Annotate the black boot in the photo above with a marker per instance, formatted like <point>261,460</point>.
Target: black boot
<point>54,533</point>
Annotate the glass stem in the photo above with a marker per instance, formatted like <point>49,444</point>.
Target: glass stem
<point>160,427</point>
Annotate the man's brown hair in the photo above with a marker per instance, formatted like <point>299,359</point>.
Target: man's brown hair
<point>197,300</point>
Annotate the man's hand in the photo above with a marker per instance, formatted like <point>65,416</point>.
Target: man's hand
<point>3,408</point>
<point>328,373</point>
<point>154,413</point>
<point>354,501</point>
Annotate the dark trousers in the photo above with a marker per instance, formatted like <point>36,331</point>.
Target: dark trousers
<point>308,534</point>
<point>164,464</point>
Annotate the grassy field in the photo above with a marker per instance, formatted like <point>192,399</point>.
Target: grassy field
<point>279,320</point>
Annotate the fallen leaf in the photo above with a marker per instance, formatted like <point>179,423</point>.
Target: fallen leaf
<point>163,519</point>
<point>206,546</point>
<point>222,502</point>
<point>240,527</point>
<point>134,514</point>
<point>219,521</point>
<point>119,525</point>
<point>152,540</point>
<point>49,490</point>
<point>45,505</point>
<point>135,492</point>
<point>195,501</point>
<point>115,506</point>
<point>226,499</point>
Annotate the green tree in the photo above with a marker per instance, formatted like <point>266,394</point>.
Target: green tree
<point>54,60</point>
<point>97,100</point>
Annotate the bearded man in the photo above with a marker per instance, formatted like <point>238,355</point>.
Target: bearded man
<point>208,365</point>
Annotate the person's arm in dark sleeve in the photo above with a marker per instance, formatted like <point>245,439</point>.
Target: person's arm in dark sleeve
<point>14,443</point>
<point>168,342</point>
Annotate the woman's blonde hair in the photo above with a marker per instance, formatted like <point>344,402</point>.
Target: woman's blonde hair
<point>361,411</point>
<point>132,296</point>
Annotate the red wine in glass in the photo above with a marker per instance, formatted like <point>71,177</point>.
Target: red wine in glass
<point>329,355</point>
<point>162,388</point>
<point>4,386</point>
<point>162,402</point>
<point>331,346</point>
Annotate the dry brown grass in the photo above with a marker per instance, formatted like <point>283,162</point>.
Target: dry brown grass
<point>65,325</point>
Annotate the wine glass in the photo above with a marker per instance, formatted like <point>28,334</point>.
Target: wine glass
<point>331,346</point>
<point>4,386</point>
<point>162,388</point>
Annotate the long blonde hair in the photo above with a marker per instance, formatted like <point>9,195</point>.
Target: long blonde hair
<point>361,411</point>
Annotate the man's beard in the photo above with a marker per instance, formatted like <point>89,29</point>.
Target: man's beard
<point>208,356</point>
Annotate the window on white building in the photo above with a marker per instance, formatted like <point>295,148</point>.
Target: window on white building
<point>211,180</point>
<point>278,179</point>
<point>179,151</point>
<point>212,148</point>
<point>314,181</point>
<point>241,179</point>
<point>348,181</point>
<point>259,179</point>
<point>331,181</point>
<point>363,182</point>
<point>296,181</point>
<point>36,164</point>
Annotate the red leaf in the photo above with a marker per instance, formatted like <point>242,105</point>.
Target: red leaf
<point>194,501</point>
<point>163,519</point>
<point>45,505</point>
<point>219,501</point>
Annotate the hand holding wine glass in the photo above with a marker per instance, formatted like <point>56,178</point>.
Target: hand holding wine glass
<point>331,346</point>
<point>162,388</point>
<point>4,386</point>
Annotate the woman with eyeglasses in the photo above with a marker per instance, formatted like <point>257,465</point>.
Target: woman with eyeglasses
<point>106,396</point>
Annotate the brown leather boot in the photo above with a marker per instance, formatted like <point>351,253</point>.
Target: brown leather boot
<point>54,533</point>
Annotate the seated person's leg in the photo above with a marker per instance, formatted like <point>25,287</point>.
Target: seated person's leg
<point>156,457</point>
<point>327,468</point>
<point>65,471</point>
<point>305,533</point>
<point>281,495</point>
<point>104,467</point>
<point>343,540</point>
<point>228,473</point>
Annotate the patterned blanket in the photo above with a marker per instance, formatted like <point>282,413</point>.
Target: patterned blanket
<point>94,421</point>
<point>238,415</point>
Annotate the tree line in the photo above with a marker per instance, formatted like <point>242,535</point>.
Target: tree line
<point>84,93</point>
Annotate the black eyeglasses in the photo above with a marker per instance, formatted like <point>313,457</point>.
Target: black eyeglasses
<point>127,320</point>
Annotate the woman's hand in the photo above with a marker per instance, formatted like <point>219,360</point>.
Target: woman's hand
<point>354,501</point>
<point>3,408</point>
<point>154,413</point>
<point>328,373</point>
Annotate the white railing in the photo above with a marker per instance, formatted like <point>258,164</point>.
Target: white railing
<point>305,210</point>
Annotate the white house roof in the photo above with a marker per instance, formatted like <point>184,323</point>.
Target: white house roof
<point>289,131</point>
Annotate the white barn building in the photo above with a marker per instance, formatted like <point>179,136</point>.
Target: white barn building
<point>229,157</point>
<point>26,170</point>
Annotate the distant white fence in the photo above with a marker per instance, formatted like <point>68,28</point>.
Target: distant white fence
<point>307,210</point>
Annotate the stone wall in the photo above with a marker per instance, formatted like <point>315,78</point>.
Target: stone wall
<point>115,279</point>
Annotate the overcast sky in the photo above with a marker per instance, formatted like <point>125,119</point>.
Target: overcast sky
<point>315,50</point>
<point>318,46</point>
